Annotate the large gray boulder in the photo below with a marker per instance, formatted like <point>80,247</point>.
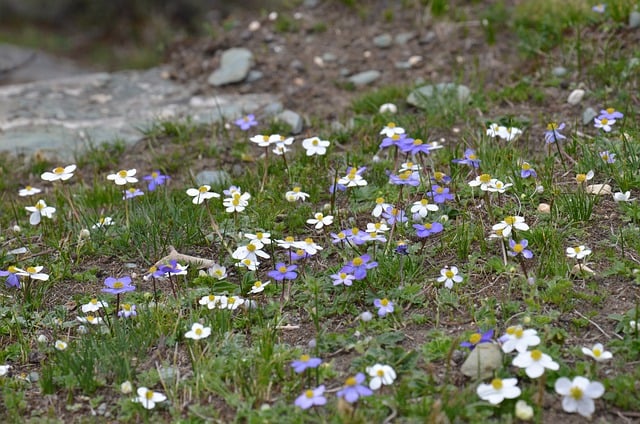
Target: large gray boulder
<point>235,65</point>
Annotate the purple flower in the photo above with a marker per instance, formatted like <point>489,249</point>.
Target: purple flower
<point>477,338</point>
<point>342,278</point>
<point>608,157</point>
<point>553,132</point>
<point>428,229</point>
<point>353,389</point>
<point>127,310</point>
<point>402,248</point>
<point>408,177</point>
<point>470,158</point>
<point>359,266</point>
<point>415,146</point>
<point>305,361</point>
<point>519,248</point>
<point>356,236</point>
<point>527,171</point>
<point>440,178</point>
<point>395,140</point>
<point>385,306</point>
<point>335,186</point>
<point>283,272</point>
<point>599,8</point>
<point>12,279</point>
<point>172,268</point>
<point>440,194</point>
<point>340,237</point>
<point>131,193</point>
<point>299,254</point>
<point>155,179</point>
<point>118,285</point>
<point>610,113</point>
<point>246,122</point>
<point>311,398</point>
<point>393,215</point>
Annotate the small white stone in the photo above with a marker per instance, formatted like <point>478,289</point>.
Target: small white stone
<point>576,96</point>
<point>579,269</point>
<point>254,26</point>
<point>318,61</point>
<point>601,189</point>
<point>544,208</point>
<point>389,108</point>
<point>483,360</point>
<point>273,16</point>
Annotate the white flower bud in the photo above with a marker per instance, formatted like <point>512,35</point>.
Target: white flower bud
<point>126,387</point>
<point>16,229</point>
<point>524,411</point>
<point>540,189</point>
<point>84,234</point>
<point>42,338</point>
<point>82,329</point>
<point>366,316</point>
<point>389,108</point>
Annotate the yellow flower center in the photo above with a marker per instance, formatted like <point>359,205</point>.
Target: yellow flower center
<point>510,220</point>
<point>309,394</point>
<point>597,352</point>
<point>428,225</point>
<point>122,174</point>
<point>251,248</point>
<point>576,393</point>
<point>449,274</point>
<point>405,175</point>
<point>289,239</point>
<point>308,240</point>
<point>341,235</point>
<point>319,216</point>
<point>351,381</point>
<point>475,338</point>
<point>12,269</point>
<point>90,318</point>
<point>259,235</point>
<point>384,302</point>
<point>31,270</point>
<point>391,125</point>
<point>131,190</point>
<point>610,110</point>
<point>581,178</point>
<point>296,189</point>
<point>496,383</point>
<point>526,166</point>
<point>300,252</point>
<point>440,190</point>
<point>118,285</point>
<point>198,331</point>
<point>551,126</point>
<point>231,300</point>
<point>126,307</point>
<point>379,200</point>
<point>355,231</point>
<point>305,358</point>
<point>417,142</point>
<point>518,248</point>
<point>343,275</point>
<point>235,202</point>
<point>577,249</point>
<point>485,178</point>
<point>519,333</point>
<point>59,170</point>
<point>28,188</point>
<point>282,269</point>
<point>94,301</point>
<point>148,395</point>
<point>438,175</point>
<point>358,261</point>
<point>203,189</point>
<point>473,156</point>
<point>211,298</point>
<point>315,142</point>
<point>41,205</point>
<point>511,330</point>
<point>380,373</point>
<point>536,355</point>
<point>395,137</point>
<point>604,121</point>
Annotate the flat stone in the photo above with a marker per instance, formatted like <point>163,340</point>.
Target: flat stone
<point>404,37</point>
<point>215,178</point>
<point>20,65</point>
<point>235,64</point>
<point>599,189</point>
<point>588,115</point>
<point>634,19</point>
<point>364,78</point>
<point>427,38</point>
<point>291,118</point>
<point>273,109</point>
<point>60,118</point>
<point>383,41</point>
<point>329,57</point>
<point>483,360</point>
<point>576,96</point>
<point>423,97</point>
<point>254,75</point>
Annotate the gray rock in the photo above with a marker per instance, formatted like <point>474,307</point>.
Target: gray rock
<point>559,71</point>
<point>254,75</point>
<point>364,78</point>
<point>344,72</point>
<point>297,65</point>
<point>483,360</point>
<point>60,118</point>
<point>329,57</point>
<point>21,65</point>
<point>588,115</point>
<point>634,19</point>
<point>235,64</point>
<point>402,65</point>
<point>273,109</point>
<point>215,178</point>
<point>423,97</point>
<point>310,3</point>
<point>427,38</point>
<point>404,37</point>
<point>575,96</point>
<point>293,119</point>
<point>383,41</point>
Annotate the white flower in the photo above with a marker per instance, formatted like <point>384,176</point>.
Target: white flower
<point>448,276</point>
<point>248,263</point>
<point>211,301</point>
<point>38,211</point>
<point>264,238</point>
<point>104,221</point>
<point>217,271</point>
<point>622,197</point>
<point>33,272</point>
<point>380,207</point>
<point>250,251</point>
<point>484,181</point>
<point>597,352</point>
<point>258,287</point>
<point>517,338</point>
<point>234,301</point>
<point>604,123</point>
<point>581,178</point>
<point>281,143</point>
<point>94,305</point>
<point>377,227</point>
<point>388,108</point>
<point>498,186</point>
<point>60,345</point>
<point>308,245</point>
<point>524,411</point>
<point>353,179</point>
<point>578,252</point>
<point>319,220</point>
<point>261,140</point>
<point>499,390</point>
<point>391,129</point>
<point>579,394</point>
<point>59,173</point>
<point>534,362</point>
<point>315,146</point>
<point>510,133</point>
<point>201,194</point>
<point>422,207</point>
<point>123,177</point>
<point>296,194</point>
<point>504,227</point>
<point>149,398</point>
<point>494,130</point>
<point>381,374</point>
<point>198,331</point>
<point>409,166</point>
<point>126,387</point>
<point>237,202</point>
<point>28,191</point>
<point>4,369</point>
<point>90,319</point>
